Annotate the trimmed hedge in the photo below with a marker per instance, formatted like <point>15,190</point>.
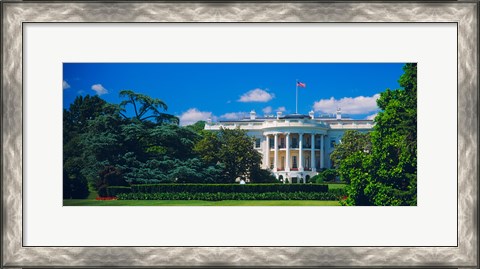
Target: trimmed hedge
<point>116,190</point>
<point>339,193</point>
<point>229,196</point>
<point>228,188</point>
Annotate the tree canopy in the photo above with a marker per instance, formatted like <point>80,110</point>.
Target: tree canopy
<point>146,107</point>
<point>386,174</point>
<point>104,146</point>
<point>352,141</point>
<point>234,149</point>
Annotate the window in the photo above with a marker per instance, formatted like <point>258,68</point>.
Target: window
<point>294,142</point>
<point>332,143</point>
<point>257,143</point>
<point>294,162</point>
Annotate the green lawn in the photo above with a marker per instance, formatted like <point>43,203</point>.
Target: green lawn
<point>89,202</point>
<point>336,186</point>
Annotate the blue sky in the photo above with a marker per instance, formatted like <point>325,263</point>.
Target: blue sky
<point>222,91</point>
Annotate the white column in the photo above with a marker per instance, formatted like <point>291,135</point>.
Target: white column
<point>287,150</point>
<point>275,156</point>
<point>322,152</point>
<point>312,153</point>
<point>300,152</point>
<point>267,153</point>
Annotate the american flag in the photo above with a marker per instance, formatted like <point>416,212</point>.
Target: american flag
<point>301,84</point>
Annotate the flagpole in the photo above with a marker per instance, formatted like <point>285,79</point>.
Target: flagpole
<point>296,96</point>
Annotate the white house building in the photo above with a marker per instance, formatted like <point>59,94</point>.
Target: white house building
<point>295,145</point>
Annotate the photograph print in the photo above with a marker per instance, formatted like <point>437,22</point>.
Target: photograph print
<point>239,134</point>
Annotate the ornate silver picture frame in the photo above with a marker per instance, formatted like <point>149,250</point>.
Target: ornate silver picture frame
<point>16,13</point>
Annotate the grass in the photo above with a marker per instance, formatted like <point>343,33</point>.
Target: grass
<point>336,186</point>
<point>90,202</point>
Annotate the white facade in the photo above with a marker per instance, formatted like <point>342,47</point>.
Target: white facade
<point>295,145</point>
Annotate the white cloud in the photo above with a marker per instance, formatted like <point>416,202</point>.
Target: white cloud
<point>371,117</point>
<point>193,115</point>
<point>65,85</point>
<point>281,109</point>
<point>99,89</point>
<point>267,110</point>
<point>256,95</point>
<point>234,115</point>
<point>349,105</point>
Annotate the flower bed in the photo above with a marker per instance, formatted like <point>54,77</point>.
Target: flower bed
<point>107,198</point>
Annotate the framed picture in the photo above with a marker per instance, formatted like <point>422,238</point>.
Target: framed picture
<point>41,41</point>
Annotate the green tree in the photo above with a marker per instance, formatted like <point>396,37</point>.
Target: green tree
<point>87,140</point>
<point>76,117</point>
<point>75,186</point>
<point>394,140</point>
<point>208,147</point>
<point>352,141</point>
<point>326,175</point>
<point>388,174</point>
<point>237,153</point>
<point>232,148</point>
<point>109,176</point>
<point>146,107</point>
<point>259,175</point>
<point>198,127</point>
<point>356,169</point>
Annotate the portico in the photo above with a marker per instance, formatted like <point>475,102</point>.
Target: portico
<point>295,153</point>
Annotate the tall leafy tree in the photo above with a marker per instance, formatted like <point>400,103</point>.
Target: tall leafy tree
<point>232,148</point>
<point>352,141</point>
<point>388,174</point>
<point>84,139</point>
<point>198,127</point>
<point>82,110</point>
<point>208,147</point>
<point>394,140</point>
<point>238,154</point>
<point>146,108</point>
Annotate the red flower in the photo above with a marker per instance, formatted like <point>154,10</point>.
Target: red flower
<point>106,198</point>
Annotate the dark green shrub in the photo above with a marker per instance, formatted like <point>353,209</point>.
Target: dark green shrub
<point>325,175</point>
<point>329,175</point>
<point>312,180</point>
<point>263,176</point>
<point>109,176</point>
<point>67,188</point>
<point>229,196</point>
<point>318,179</point>
<point>116,190</point>
<point>228,188</point>
<point>338,193</point>
<point>102,191</point>
<point>75,187</point>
